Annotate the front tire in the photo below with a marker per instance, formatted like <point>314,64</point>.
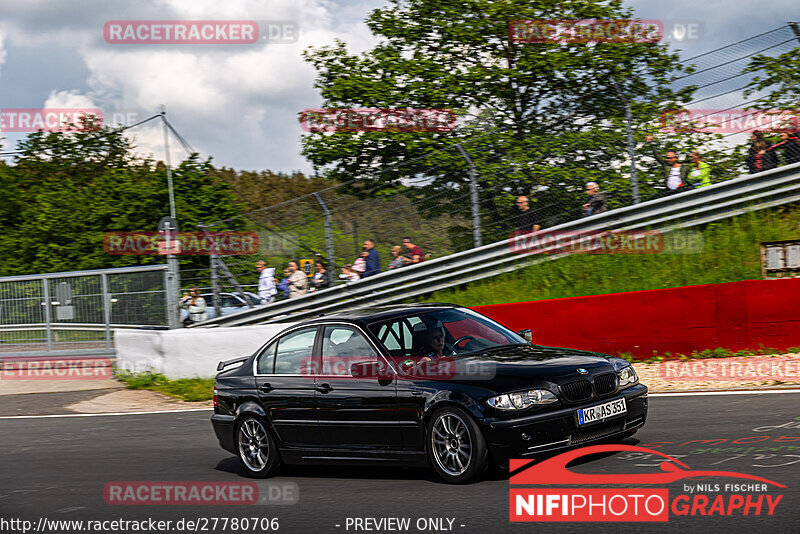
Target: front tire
<point>456,447</point>
<point>258,454</point>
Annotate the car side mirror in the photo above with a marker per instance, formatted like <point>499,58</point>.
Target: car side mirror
<point>377,370</point>
<point>526,334</point>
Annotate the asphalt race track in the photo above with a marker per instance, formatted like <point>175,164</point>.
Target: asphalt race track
<point>56,468</point>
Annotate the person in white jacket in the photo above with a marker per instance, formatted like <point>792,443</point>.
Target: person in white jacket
<point>266,282</point>
<point>196,306</point>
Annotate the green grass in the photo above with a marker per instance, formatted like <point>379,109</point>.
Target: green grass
<point>718,352</point>
<point>730,252</point>
<point>188,389</point>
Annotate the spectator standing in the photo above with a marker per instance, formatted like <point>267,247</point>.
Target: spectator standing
<point>397,258</point>
<point>298,281</point>
<point>760,158</point>
<point>373,265</point>
<point>196,305</point>
<point>700,170</point>
<point>349,274</point>
<point>266,282</point>
<point>597,200</point>
<point>283,285</point>
<point>787,150</point>
<point>414,254</point>
<point>676,173</point>
<point>321,276</point>
<point>525,217</point>
<point>360,265</point>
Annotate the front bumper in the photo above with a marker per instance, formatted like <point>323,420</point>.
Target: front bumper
<point>558,429</point>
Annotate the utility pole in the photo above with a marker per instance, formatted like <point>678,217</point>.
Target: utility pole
<point>173,272</point>
<point>631,144</point>
<point>473,194</point>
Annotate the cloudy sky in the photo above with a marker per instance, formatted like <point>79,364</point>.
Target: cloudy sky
<point>239,103</point>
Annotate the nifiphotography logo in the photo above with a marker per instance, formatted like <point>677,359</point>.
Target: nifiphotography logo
<point>640,504</point>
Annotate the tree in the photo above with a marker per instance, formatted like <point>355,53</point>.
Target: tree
<point>66,190</point>
<point>539,118</point>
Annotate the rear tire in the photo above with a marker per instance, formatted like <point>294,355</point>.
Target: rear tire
<point>456,447</point>
<point>258,454</point>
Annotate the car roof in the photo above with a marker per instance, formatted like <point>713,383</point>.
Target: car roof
<point>373,314</point>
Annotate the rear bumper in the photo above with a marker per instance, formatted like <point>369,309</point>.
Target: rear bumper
<point>223,428</point>
<point>559,429</point>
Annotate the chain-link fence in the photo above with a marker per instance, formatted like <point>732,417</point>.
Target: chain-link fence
<point>77,311</point>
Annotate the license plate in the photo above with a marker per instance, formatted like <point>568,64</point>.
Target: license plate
<point>601,411</point>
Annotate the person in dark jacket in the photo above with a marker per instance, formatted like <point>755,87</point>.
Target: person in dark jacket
<point>597,200</point>
<point>373,265</point>
<point>760,157</point>
<point>787,151</point>
<point>526,221</point>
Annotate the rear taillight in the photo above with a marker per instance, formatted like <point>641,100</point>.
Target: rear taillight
<point>216,399</point>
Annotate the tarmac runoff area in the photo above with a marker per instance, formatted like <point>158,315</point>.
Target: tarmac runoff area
<point>107,396</point>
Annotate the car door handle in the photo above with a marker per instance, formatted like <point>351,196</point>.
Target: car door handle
<point>324,388</point>
<point>416,392</point>
<point>266,388</point>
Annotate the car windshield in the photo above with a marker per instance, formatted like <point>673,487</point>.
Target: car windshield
<point>464,331</point>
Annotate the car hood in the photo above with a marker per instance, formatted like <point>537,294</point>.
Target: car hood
<point>521,366</point>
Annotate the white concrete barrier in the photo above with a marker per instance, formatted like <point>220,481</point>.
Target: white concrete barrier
<point>188,352</point>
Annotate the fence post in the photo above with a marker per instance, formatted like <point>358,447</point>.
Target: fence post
<point>631,144</point>
<point>215,285</point>
<point>46,296</point>
<point>473,195</point>
<point>331,266</point>
<point>106,307</point>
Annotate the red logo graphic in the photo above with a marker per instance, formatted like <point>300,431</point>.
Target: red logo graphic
<point>585,31</point>
<point>587,242</point>
<point>377,120</point>
<point>180,31</point>
<point>621,504</point>
<point>22,368</point>
<point>729,120</point>
<point>50,119</point>
<point>184,243</point>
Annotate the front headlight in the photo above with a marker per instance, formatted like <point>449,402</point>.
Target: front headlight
<point>627,377</point>
<point>520,400</point>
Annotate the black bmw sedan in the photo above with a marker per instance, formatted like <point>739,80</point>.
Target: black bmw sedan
<point>427,384</point>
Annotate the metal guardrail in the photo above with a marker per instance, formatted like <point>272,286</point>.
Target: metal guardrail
<point>699,206</point>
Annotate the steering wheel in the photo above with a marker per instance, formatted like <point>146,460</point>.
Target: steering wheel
<point>454,346</point>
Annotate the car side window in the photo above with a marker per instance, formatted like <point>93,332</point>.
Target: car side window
<point>343,346</point>
<point>266,360</point>
<point>295,352</point>
<point>396,336</point>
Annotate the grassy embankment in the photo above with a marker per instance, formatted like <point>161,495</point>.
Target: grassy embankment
<point>730,252</point>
